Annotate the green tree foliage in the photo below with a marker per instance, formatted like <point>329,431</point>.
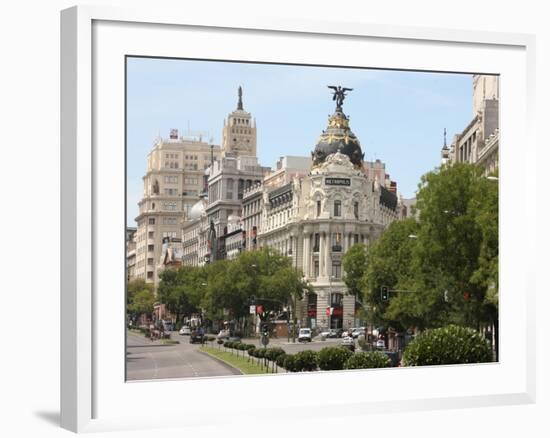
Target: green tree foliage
<point>355,263</point>
<point>140,298</point>
<point>370,359</point>
<point>447,345</point>
<point>178,291</point>
<point>453,247</point>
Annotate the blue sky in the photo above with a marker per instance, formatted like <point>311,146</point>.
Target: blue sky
<point>398,116</point>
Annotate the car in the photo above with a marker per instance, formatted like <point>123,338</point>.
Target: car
<point>196,336</point>
<point>348,332</point>
<point>223,334</point>
<point>304,335</point>
<point>348,342</point>
<point>358,332</point>
<point>325,334</point>
<point>380,343</point>
<point>185,330</point>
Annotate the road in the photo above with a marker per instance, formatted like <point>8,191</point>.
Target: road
<point>146,360</point>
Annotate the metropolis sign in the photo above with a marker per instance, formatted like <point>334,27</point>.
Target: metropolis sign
<point>337,181</point>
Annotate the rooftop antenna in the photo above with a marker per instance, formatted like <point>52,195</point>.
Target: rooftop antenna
<point>444,137</point>
<point>240,103</point>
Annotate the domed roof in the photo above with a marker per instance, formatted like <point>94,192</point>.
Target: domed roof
<point>338,137</point>
<point>198,209</point>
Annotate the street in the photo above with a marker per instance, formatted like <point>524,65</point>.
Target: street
<point>147,360</point>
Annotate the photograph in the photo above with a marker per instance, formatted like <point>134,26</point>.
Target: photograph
<point>285,218</point>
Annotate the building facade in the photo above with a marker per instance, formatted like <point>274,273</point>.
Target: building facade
<point>310,209</point>
<point>173,180</point>
<point>478,142</point>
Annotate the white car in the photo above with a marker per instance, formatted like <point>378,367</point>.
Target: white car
<point>380,343</point>
<point>185,331</point>
<point>224,334</point>
<point>304,335</point>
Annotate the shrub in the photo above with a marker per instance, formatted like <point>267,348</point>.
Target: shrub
<point>447,345</point>
<point>371,359</point>
<point>280,361</point>
<point>290,363</point>
<point>220,341</point>
<point>211,338</point>
<point>306,360</point>
<point>260,352</point>
<point>333,358</point>
<point>273,353</point>
<point>251,349</point>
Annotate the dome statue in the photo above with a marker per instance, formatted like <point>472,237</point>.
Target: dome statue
<point>338,136</point>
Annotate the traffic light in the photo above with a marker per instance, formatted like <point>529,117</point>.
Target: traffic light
<point>384,293</point>
<point>265,330</point>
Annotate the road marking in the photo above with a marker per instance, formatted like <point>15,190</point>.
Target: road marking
<point>155,374</point>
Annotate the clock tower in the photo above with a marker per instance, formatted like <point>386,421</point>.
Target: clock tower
<point>239,132</point>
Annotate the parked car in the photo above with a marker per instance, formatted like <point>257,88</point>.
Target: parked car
<point>325,333</point>
<point>348,342</point>
<point>304,335</point>
<point>223,334</point>
<point>358,332</point>
<point>348,332</point>
<point>380,344</point>
<point>185,330</point>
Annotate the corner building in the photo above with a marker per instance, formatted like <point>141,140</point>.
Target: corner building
<point>316,218</point>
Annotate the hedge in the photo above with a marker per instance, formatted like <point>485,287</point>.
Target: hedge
<point>371,359</point>
<point>333,358</point>
<point>306,360</point>
<point>447,345</point>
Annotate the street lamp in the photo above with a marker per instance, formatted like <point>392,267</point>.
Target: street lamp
<point>413,236</point>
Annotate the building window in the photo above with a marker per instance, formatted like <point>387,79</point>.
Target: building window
<point>356,238</point>
<point>151,221</point>
<point>337,242</point>
<point>150,274</point>
<point>318,208</point>
<point>150,261</point>
<point>316,268</point>
<point>151,234</point>
<point>316,240</point>
<point>150,248</point>
<point>230,184</point>
<point>356,209</point>
<point>336,270</point>
<point>337,208</point>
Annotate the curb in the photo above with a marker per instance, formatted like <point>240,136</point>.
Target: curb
<point>227,364</point>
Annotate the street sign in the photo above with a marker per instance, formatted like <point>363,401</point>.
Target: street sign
<point>259,309</point>
<point>252,309</point>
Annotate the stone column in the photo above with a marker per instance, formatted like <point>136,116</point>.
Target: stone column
<point>306,255</point>
<point>328,247</point>
<point>321,255</point>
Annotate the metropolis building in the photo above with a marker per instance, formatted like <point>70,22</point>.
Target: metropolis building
<point>311,209</point>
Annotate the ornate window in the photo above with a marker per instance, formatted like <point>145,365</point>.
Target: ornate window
<point>337,208</point>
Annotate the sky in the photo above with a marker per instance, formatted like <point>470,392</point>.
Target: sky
<point>398,116</point>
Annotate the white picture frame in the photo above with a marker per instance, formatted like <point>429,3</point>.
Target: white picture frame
<point>93,39</point>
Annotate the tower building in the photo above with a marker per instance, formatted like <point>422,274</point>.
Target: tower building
<point>239,132</point>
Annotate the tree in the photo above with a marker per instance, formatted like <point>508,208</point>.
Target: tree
<point>389,264</point>
<point>446,262</point>
<point>140,298</point>
<point>355,263</point>
<point>178,291</point>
